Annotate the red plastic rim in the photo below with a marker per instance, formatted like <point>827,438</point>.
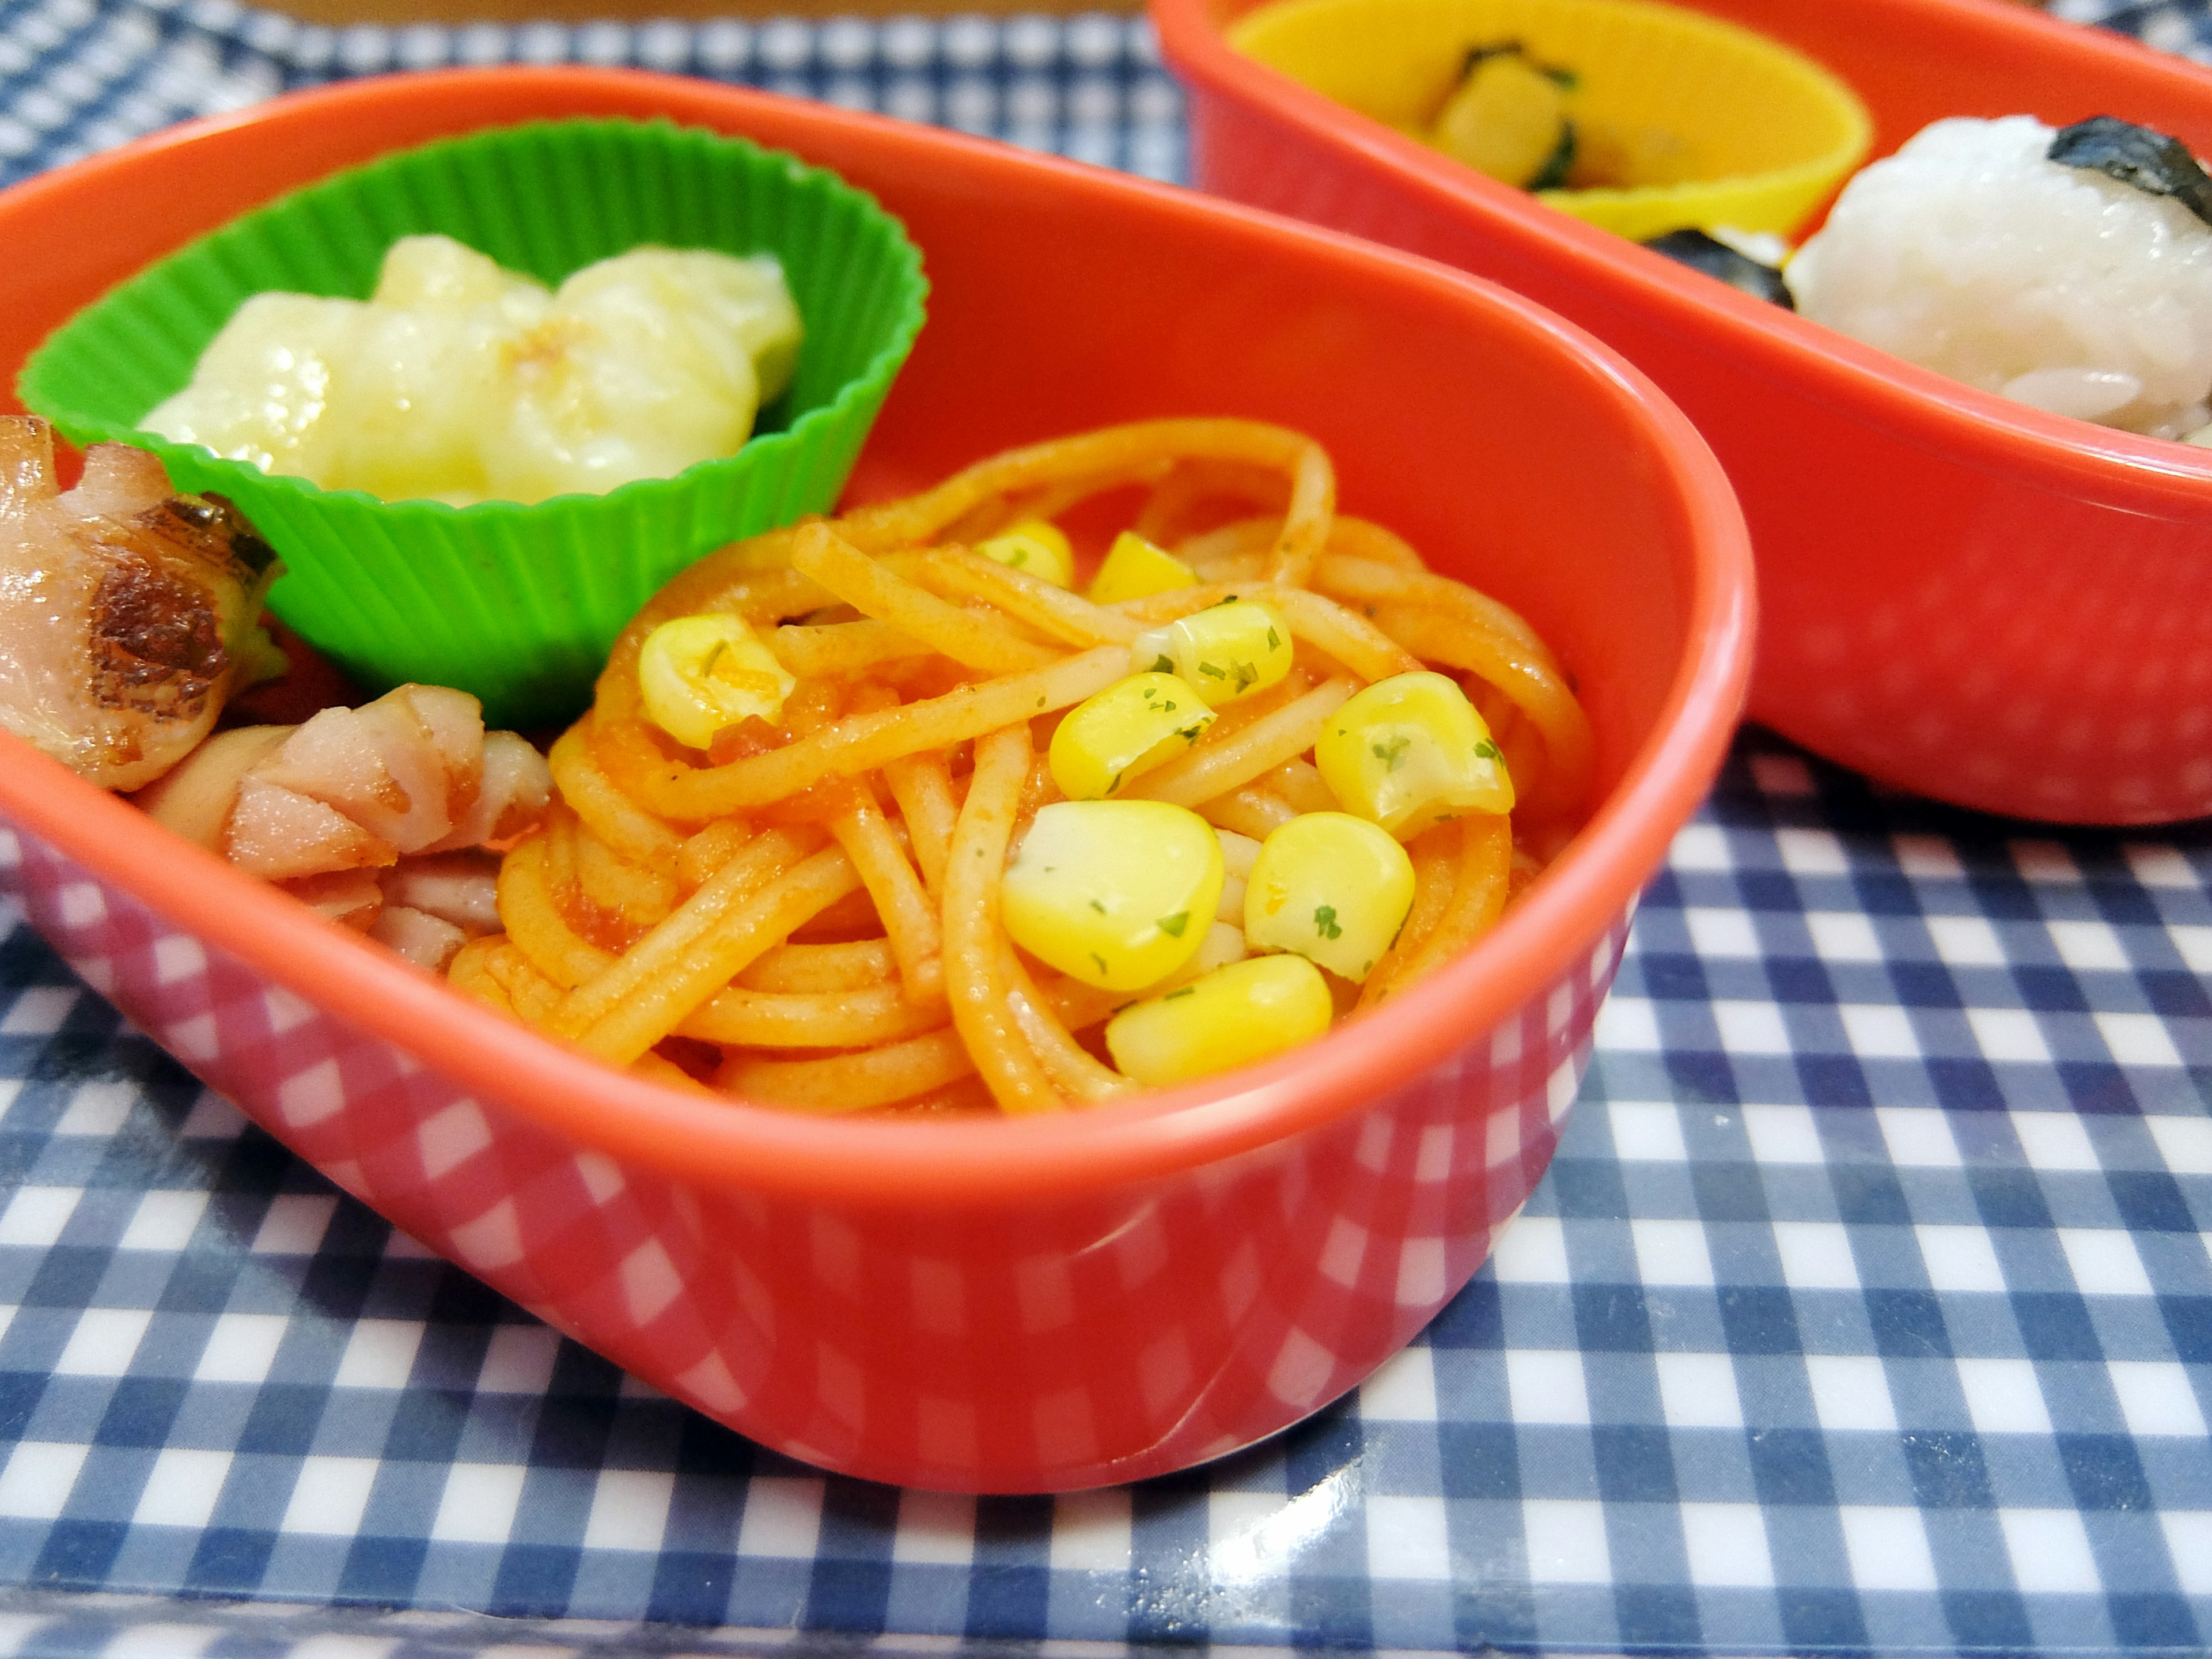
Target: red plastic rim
<point>1979,428</point>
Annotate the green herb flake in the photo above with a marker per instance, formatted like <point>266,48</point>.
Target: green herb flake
<point>1391,754</point>
<point>1154,691</point>
<point>1100,960</point>
<point>1487,750</point>
<point>1040,702</point>
<point>1208,668</point>
<point>1173,925</point>
<point>1167,708</point>
<point>1325,921</point>
<point>1191,733</point>
<point>1244,673</point>
<point>1019,557</point>
<point>1185,990</point>
<point>1275,640</point>
<point>1162,665</point>
<point>1099,908</point>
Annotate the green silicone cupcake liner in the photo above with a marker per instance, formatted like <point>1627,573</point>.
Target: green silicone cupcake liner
<point>516,604</point>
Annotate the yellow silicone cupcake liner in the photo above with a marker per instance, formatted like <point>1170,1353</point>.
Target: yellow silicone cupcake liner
<point>1763,133</point>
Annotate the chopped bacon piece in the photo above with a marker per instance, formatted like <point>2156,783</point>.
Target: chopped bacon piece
<point>515,790</point>
<point>194,799</point>
<point>278,833</point>
<point>426,940</point>
<point>349,897</point>
<point>126,610</point>
<point>462,888</point>
<point>407,786</point>
<point>404,767</point>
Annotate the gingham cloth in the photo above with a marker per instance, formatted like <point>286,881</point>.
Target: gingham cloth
<point>80,76</point>
<point>1867,1307</point>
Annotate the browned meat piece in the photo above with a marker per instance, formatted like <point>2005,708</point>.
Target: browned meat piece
<point>406,769</point>
<point>368,814</point>
<point>511,797</point>
<point>461,888</point>
<point>426,940</point>
<point>126,610</point>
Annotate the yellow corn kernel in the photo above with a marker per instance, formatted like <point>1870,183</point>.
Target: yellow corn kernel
<point>1134,568</point>
<point>1035,548</point>
<point>1410,751</point>
<point>1223,944</point>
<point>1333,888</point>
<point>1230,651</point>
<point>1117,893</point>
<point>699,674</point>
<point>1129,728</point>
<point>1509,119</point>
<point>1231,1017</point>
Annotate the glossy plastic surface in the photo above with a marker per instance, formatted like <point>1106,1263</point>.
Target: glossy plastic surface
<point>1756,136</point>
<point>996,1305</point>
<point>1960,596</point>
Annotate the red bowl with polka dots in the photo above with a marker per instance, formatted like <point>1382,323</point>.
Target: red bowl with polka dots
<point>985,1305</point>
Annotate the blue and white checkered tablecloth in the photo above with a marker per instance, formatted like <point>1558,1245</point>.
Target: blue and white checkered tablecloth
<point>1867,1308</point>
<point>80,76</point>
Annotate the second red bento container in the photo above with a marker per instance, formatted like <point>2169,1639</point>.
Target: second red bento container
<point>1960,596</point>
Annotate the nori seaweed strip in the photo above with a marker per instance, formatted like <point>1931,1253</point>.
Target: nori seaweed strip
<point>2148,160</point>
<point>1565,79</point>
<point>1475,55</point>
<point>1695,249</point>
<point>1554,173</point>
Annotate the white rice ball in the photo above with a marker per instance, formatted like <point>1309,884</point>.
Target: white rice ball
<point>1970,254</point>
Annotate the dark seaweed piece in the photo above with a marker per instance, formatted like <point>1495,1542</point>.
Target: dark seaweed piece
<point>2148,160</point>
<point>1561,161</point>
<point>1716,258</point>
<point>1565,79</point>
